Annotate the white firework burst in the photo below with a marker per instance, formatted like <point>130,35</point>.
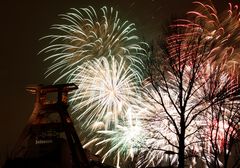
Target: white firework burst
<point>106,91</point>
<point>106,103</point>
<point>87,35</point>
<point>125,140</point>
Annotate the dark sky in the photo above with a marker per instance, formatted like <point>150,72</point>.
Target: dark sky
<point>24,22</point>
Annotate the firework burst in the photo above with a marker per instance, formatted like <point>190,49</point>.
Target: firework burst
<point>126,139</point>
<point>87,35</point>
<point>104,104</point>
<point>221,30</point>
<point>106,91</point>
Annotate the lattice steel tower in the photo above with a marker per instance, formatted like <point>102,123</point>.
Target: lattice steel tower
<point>49,139</point>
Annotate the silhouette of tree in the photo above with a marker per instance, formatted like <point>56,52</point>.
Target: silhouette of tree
<point>187,86</point>
<point>223,135</point>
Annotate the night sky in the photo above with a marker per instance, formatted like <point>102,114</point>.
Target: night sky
<point>23,23</point>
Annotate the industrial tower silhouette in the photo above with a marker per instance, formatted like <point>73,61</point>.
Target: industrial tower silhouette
<point>49,138</point>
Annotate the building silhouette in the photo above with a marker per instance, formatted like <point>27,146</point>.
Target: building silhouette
<point>49,139</point>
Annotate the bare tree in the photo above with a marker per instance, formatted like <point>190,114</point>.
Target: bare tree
<point>186,84</point>
<point>194,82</point>
<point>223,135</point>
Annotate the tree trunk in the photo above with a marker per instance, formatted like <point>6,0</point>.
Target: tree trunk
<point>181,154</point>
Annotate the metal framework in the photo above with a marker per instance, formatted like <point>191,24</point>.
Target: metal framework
<point>50,122</point>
